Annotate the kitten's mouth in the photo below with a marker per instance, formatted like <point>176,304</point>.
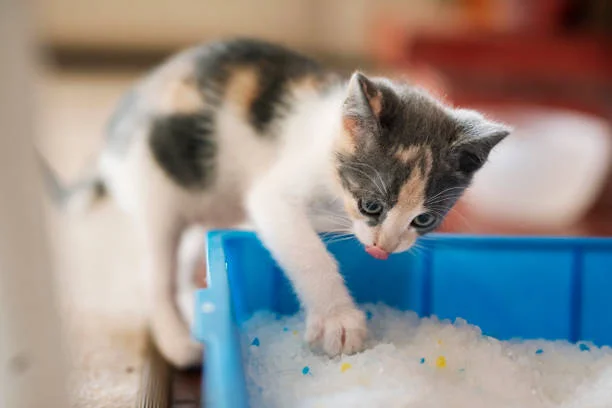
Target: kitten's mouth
<point>377,252</point>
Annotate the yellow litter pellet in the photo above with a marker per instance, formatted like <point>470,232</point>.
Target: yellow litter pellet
<point>441,362</point>
<point>439,342</point>
<point>295,332</point>
<point>345,366</point>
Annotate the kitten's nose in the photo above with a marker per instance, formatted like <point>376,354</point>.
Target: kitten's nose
<point>377,252</point>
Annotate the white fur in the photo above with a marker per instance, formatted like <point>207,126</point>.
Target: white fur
<point>284,187</point>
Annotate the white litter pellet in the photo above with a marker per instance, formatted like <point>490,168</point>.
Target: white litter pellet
<point>421,363</point>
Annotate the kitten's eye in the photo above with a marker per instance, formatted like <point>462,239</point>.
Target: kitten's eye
<point>424,220</point>
<point>370,207</point>
<point>469,162</point>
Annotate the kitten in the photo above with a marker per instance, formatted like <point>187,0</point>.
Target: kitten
<point>242,131</point>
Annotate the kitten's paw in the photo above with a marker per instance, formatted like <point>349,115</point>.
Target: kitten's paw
<point>173,338</point>
<point>342,331</point>
<point>181,353</point>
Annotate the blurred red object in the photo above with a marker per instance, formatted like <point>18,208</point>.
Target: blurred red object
<point>564,71</point>
<point>574,73</point>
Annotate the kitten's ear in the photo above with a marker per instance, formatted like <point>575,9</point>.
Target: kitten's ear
<point>363,97</point>
<point>361,108</point>
<point>477,136</point>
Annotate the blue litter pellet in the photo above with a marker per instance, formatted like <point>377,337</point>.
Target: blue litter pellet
<point>368,315</point>
<point>539,351</point>
<point>461,370</point>
<point>583,347</point>
<point>255,342</point>
<point>305,370</point>
<point>422,361</point>
<point>285,329</point>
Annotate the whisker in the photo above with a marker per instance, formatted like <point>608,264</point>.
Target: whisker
<point>464,219</point>
<point>438,211</point>
<point>368,193</point>
<point>378,175</point>
<point>339,239</point>
<point>368,176</point>
<point>443,198</point>
<point>339,230</point>
<point>446,200</point>
<point>445,191</point>
<point>326,214</point>
<point>381,187</point>
<point>333,235</point>
<point>341,221</point>
<point>340,236</point>
<point>426,238</point>
<point>416,250</point>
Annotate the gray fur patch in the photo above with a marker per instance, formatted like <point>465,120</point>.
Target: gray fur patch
<point>459,143</point>
<point>126,113</point>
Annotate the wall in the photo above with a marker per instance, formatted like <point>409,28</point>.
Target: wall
<point>334,26</point>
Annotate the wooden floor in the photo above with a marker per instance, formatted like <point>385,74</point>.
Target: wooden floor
<point>186,389</point>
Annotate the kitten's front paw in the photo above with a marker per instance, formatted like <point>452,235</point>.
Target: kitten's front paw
<point>342,331</point>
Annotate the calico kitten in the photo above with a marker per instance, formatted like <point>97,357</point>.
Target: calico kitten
<point>245,131</point>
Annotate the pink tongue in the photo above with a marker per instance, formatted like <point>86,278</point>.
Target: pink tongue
<point>377,253</point>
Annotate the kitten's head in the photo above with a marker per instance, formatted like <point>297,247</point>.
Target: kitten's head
<point>403,159</point>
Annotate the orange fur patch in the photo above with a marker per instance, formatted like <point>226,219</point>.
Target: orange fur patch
<point>345,143</point>
<point>374,97</point>
<point>177,95</point>
<point>427,156</point>
<point>186,97</point>
<point>412,193</point>
<point>407,154</point>
<point>173,89</point>
<point>376,103</point>
<point>409,201</point>
<point>306,83</point>
<point>348,201</point>
<point>350,207</point>
<point>243,87</point>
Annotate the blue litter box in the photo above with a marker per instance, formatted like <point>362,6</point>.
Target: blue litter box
<point>551,288</point>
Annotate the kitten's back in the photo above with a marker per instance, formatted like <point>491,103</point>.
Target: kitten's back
<point>210,107</point>
<point>257,78</point>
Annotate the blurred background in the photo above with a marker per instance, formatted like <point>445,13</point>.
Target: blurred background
<point>543,66</point>
<point>531,63</point>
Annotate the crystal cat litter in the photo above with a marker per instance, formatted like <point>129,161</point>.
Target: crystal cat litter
<point>461,368</point>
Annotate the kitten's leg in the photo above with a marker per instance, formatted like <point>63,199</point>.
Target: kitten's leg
<point>191,270</point>
<point>171,333</point>
<point>192,273</point>
<point>333,321</point>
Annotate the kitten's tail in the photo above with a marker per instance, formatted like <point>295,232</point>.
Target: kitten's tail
<point>79,197</point>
